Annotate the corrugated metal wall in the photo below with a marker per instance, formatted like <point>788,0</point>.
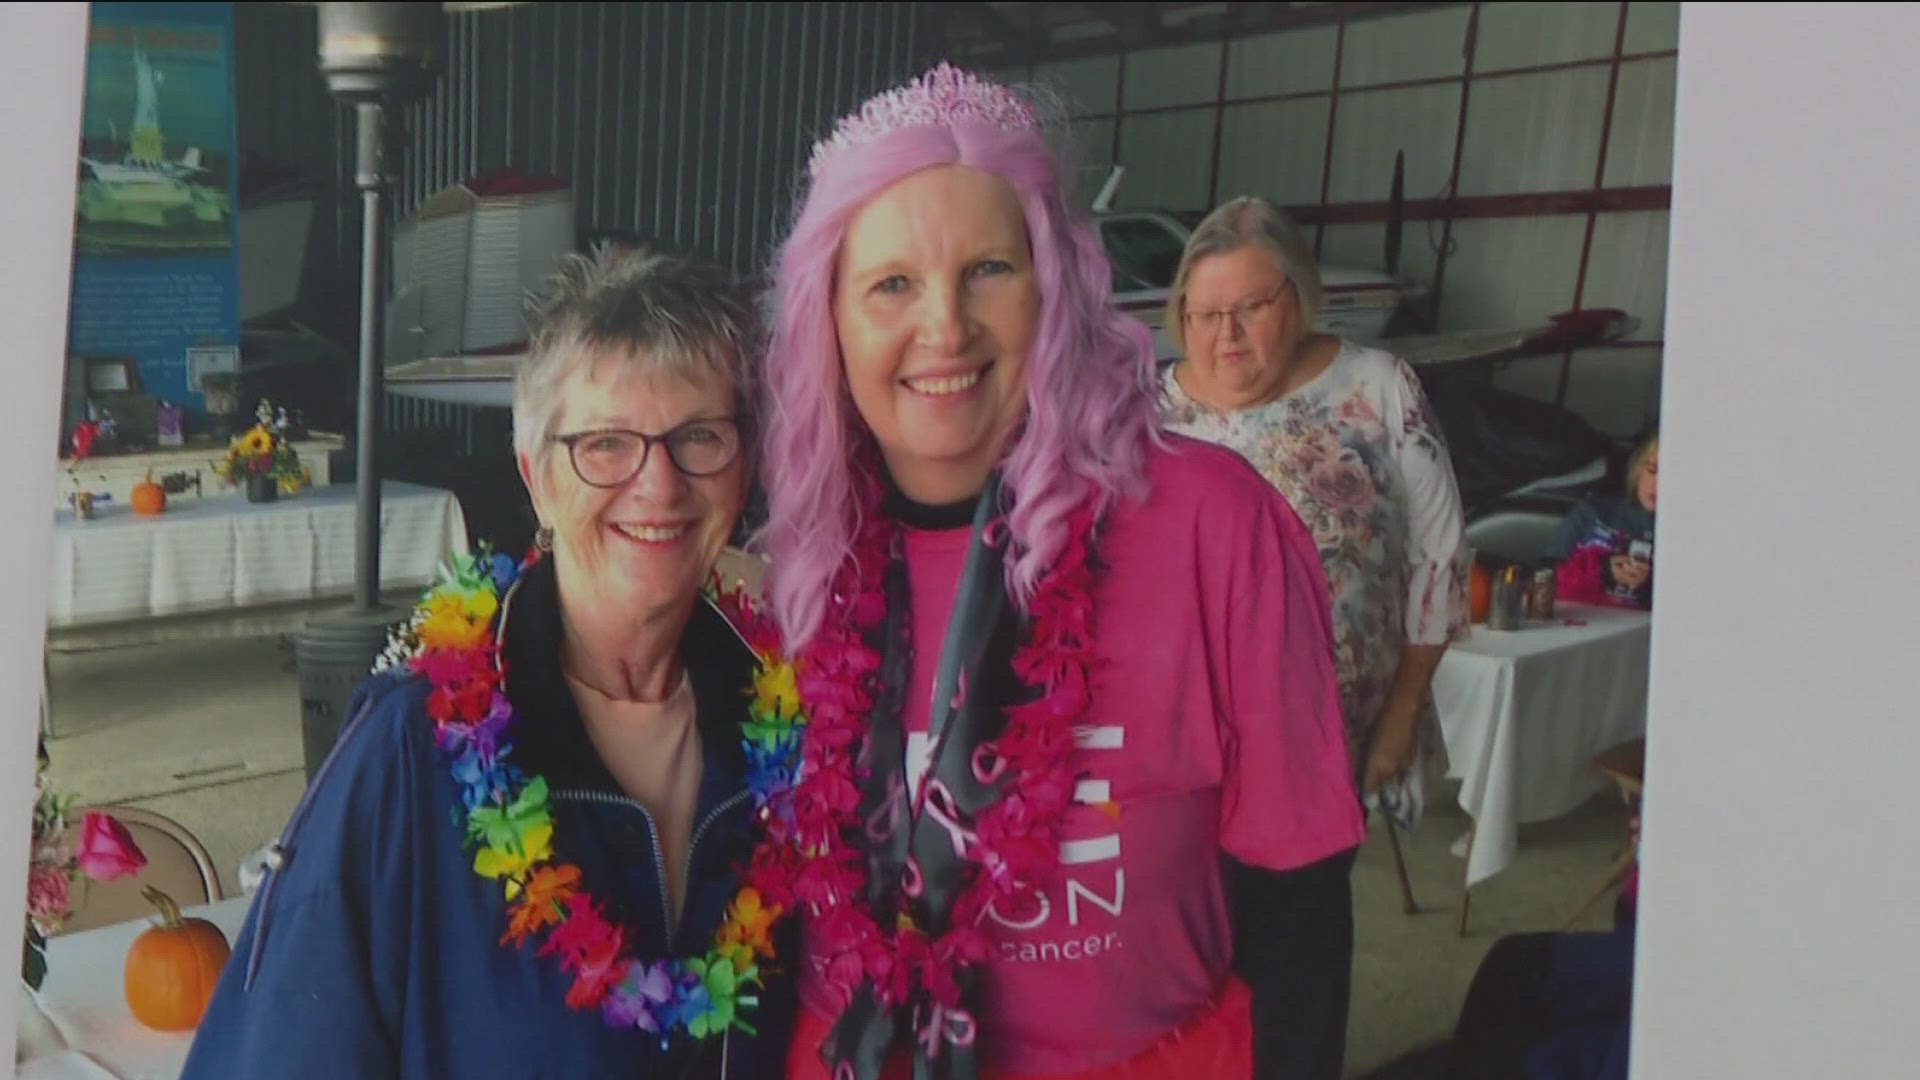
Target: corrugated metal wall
<point>686,123</point>
<point>683,123</point>
<point>1486,100</point>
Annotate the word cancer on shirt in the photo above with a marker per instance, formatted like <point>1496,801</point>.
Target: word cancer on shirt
<point>1023,942</point>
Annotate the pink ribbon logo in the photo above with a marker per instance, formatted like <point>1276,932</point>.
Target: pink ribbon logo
<point>940,805</point>
<point>942,1026</point>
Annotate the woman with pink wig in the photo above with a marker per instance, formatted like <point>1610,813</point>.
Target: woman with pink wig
<point>1061,671</point>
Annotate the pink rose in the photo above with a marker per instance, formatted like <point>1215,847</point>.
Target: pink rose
<point>107,850</point>
<point>1340,485</point>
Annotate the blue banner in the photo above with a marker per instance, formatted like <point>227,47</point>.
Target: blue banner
<point>155,278</point>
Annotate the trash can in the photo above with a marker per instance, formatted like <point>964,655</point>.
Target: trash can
<point>333,653</point>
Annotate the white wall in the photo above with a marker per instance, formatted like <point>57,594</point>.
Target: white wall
<point>42,57</point>
<point>1779,935</point>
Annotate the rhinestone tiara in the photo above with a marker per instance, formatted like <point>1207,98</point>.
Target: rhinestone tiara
<point>941,96</point>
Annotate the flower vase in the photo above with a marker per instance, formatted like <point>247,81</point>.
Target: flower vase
<point>262,488</point>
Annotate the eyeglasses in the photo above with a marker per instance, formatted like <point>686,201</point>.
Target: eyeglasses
<point>609,457</point>
<point>1244,314</point>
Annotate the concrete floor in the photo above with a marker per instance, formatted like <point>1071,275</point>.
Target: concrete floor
<point>209,735</point>
<point>205,733</point>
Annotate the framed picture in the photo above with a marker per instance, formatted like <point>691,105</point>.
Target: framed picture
<point>211,360</point>
<point>112,376</point>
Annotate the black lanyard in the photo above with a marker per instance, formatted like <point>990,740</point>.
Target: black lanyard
<point>907,839</point>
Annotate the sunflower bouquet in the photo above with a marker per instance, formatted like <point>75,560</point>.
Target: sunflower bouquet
<point>263,451</point>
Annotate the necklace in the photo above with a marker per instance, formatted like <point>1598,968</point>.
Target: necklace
<point>866,939</point>
<point>452,640</point>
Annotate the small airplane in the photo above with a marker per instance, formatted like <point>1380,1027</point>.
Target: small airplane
<point>1144,247</point>
<point>131,171</point>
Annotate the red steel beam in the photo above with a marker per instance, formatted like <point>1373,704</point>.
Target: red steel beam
<point>1529,204</point>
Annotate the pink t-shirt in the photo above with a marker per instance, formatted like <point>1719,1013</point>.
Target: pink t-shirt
<point>1215,726</point>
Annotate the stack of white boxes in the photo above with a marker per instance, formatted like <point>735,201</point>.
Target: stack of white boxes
<point>463,265</point>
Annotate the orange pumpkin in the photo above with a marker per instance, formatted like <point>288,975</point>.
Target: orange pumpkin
<point>149,497</point>
<point>1480,593</point>
<point>172,967</point>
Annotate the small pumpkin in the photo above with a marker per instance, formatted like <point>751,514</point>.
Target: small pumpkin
<point>173,967</point>
<point>148,496</point>
<point>1480,593</point>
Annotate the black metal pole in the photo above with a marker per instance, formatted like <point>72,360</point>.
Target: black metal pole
<point>370,172</point>
<point>375,56</point>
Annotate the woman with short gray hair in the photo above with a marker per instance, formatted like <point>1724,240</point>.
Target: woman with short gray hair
<point>524,855</point>
<point>648,308</point>
<point>1346,433</point>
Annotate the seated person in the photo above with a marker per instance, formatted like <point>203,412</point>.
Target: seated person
<point>1605,546</point>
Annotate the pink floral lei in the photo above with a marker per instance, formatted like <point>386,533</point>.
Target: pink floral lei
<point>1013,844</point>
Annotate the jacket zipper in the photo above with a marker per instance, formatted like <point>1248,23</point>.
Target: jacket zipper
<point>653,833</point>
<point>713,815</point>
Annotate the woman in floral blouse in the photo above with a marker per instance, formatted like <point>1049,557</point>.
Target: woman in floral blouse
<point>1346,434</point>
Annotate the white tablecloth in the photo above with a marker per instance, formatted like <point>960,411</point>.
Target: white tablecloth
<point>77,1027</point>
<point>1524,711</point>
<point>224,553</point>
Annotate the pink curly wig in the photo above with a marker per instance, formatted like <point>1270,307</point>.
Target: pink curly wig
<point>1090,412</point>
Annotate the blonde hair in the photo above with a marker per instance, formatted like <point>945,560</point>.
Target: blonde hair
<point>1637,462</point>
<point>1237,223</point>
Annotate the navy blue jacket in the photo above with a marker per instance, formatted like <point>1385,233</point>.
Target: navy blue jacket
<point>374,950</point>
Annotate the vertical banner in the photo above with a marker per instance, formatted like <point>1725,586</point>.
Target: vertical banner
<point>156,303</point>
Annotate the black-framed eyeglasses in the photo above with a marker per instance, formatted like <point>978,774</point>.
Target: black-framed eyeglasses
<point>609,457</point>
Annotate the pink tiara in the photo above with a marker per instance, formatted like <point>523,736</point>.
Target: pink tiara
<point>941,96</point>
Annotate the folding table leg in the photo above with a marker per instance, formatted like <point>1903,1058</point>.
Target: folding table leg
<point>46,696</point>
<point>1466,889</point>
<point>1618,871</point>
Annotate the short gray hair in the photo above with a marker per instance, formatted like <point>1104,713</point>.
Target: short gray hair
<point>656,311</point>
<point>1235,224</point>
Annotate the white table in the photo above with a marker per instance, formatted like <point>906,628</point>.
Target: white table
<point>1524,711</point>
<point>77,1026</point>
<point>224,554</point>
<point>115,474</point>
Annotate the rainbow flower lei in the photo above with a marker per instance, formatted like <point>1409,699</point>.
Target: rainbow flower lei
<point>451,639</point>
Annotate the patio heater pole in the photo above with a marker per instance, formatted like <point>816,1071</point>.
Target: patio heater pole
<point>375,56</point>
<point>370,174</point>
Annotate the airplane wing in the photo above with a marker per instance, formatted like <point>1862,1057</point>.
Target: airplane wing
<point>461,380</point>
<point>488,379</point>
<point>1568,330</point>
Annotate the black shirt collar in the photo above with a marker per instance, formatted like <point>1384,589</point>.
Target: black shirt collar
<point>550,738</point>
<point>929,517</point>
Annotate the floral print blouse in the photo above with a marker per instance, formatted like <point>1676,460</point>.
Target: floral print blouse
<point>1359,455</point>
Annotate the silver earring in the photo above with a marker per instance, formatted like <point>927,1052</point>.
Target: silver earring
<point>543,538</point>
